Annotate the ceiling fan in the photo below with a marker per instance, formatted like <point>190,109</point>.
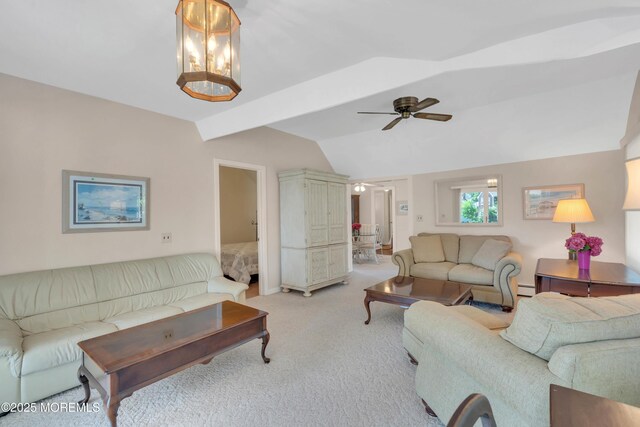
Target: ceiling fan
<point>360,187</point>
<point>408,106</point>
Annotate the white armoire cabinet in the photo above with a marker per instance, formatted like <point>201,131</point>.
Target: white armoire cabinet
<point>314,234</point>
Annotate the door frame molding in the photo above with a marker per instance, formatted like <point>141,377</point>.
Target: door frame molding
<point>392,207</point>
<point>263,237</point>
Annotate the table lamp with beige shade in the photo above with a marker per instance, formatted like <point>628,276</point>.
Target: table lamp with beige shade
<point>573,211</point>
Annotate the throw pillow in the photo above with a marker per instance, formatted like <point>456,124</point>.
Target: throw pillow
<point>427,248</point>
<point>490,253</point>
<point>548,321</point>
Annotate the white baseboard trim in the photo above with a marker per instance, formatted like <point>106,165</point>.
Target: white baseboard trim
<point>526,290</point>
<point>273,291</point>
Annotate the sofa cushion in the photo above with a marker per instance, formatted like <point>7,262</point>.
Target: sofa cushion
<point>138,317</point>
<point>450,245</point>
<point>548,321</point>
<point>416,330</point>
<point>49,299</point>
<point>580,364</point>
<point>54,348</point>
<point>468,273</point>
<point>490,253</point>
<point>200,301</point>
<point>115,307</point>
<point>469,245</point>
<point>427,248</point>
<point>487,320</point>
<point>432,270</point>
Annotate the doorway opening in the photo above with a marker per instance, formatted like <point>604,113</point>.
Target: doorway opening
<point>240,219</point>
<point>384,213</point>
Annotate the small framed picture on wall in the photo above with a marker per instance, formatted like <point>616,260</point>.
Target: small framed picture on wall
<point>402,208</point>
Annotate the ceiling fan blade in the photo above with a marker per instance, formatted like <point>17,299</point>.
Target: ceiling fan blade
<point>392,124</point>
<point>427,102</point>
<point>433,116</point>
<point>371,112</point>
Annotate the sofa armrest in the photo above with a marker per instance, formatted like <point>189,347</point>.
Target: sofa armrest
<point>11,345</point>
<point>404,260</point>
<point>501,369</point>
<point>604,368</point>
<point>504,277</point>
<point>226,286</point>
<point>10,338</point>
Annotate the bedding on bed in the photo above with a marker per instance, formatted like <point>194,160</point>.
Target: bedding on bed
<point>240,260</point>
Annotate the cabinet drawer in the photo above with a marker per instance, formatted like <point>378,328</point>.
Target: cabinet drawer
<point>569,287</point>
<point>599,290</point>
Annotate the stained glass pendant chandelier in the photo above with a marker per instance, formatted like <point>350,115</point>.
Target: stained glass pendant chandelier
<point>208,33</point>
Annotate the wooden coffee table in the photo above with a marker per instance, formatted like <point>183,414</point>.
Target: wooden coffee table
<point>404,291</point>
<point>122,362</point>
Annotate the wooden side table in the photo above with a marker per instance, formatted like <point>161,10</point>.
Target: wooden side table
<point>602,279</point>
<point>573,408</point>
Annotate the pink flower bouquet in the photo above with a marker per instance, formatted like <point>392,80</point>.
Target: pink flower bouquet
<point>580,242</point>
<point>355,228</point>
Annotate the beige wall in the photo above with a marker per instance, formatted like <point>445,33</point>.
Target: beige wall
<point>44,130</point>
<point>602,174</point>
<point>238,205</point>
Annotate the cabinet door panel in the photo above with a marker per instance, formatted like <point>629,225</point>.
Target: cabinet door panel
<point>318,264</point>
<point>337,194</point>
<point>338,256</point>
<point>316,212</point>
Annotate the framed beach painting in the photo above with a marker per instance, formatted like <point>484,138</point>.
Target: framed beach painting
<point>541,202</point>
<point>93,202</point>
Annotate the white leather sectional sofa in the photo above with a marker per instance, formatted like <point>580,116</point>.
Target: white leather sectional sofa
<point>44,314</point>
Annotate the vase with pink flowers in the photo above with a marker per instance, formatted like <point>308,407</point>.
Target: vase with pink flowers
<point>355,229</point>
<point>586,247</point>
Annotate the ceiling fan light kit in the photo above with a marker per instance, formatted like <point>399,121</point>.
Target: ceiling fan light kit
<point>208,49</point>
<point>408,106</point>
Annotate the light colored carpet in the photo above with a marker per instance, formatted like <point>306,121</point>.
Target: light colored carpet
<point>327,369</point>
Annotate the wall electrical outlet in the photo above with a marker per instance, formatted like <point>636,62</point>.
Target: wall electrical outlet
<point>166,237</point>
<point>419,218</point>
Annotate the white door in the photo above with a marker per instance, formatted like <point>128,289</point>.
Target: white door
<point>318,263</point>
<point>316,212</point>
<point>338,259</point>
<point>337,197</point>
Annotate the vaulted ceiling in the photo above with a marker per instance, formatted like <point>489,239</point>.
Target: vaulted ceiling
<point>522,79</point>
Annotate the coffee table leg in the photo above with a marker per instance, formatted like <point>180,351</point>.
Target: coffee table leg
<point>367,300</point>
<point>265,341</point>
<point>85,385</point>
<point>112,410</point>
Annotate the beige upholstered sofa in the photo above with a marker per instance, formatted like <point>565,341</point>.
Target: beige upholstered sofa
<point>485,262</point>
<point>44,314</point>
<point>589,344</point>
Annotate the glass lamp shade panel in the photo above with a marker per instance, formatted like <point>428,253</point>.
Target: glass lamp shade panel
<point>632,199</point>
<point>208,37</point>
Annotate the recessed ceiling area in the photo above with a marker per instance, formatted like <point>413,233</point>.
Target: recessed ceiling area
<point>523,80</point>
